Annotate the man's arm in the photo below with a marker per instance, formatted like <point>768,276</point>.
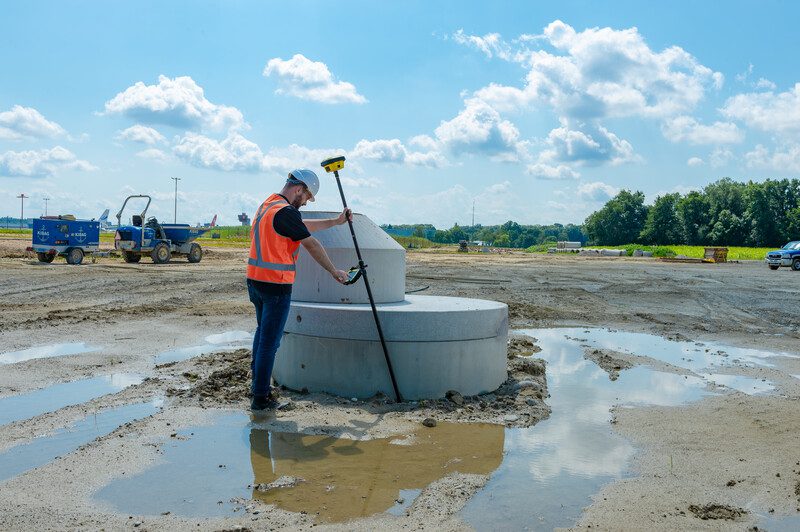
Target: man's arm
<point>318,225</point>
<point>319,254</point>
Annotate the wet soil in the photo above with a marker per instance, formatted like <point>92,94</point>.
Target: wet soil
<point>610,361</point>
<point>716,511</point>
<point>686,455</point>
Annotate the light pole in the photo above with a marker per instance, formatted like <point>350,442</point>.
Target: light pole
<point>46,199</point>
<point>22,209</point>
<point>176,179</point>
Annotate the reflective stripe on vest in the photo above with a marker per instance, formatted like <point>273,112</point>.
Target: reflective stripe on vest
<point>260,269</point>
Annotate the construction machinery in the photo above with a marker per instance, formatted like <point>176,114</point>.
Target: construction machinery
<point>66,236</point>
<point>161,241</point>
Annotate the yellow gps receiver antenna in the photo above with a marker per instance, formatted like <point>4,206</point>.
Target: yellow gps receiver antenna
<point>334,164</point>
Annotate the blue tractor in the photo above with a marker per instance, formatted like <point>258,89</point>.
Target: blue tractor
<point>160,241</point>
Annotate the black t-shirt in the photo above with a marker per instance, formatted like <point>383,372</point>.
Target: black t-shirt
<point>289,223</point>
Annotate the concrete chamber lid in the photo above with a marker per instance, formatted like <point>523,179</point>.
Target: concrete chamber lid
<point>417,319</point>
<point>385,259</point>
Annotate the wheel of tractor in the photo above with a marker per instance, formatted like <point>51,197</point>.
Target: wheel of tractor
<point>129,256</point>
<point>45,257</point>
<point>771,267</point>
<point>195,253</point>
<point>75,256</point>
<point>161,253</point>
<point>796,264</point>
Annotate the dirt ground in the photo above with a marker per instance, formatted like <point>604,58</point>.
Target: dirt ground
<point>135,311</point>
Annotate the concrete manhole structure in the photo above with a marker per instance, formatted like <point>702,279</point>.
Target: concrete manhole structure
<point>436,343</point>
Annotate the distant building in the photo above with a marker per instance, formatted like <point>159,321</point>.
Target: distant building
<point>244,219</point>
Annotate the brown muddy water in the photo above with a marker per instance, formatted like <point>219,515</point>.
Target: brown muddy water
<point>217,468</point>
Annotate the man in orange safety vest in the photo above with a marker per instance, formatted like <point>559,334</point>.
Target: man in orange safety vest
<point>276,235</point>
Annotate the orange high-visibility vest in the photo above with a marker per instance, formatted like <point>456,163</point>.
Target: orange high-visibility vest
<point>272,256</point>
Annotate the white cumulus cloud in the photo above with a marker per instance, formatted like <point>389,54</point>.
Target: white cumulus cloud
<point>687,129</point>
<point>178,102</point>
<point>40,163</point>
<point>310,80</point>
<point>393,151</point>
<point>783,159</point>
<point>26,122</point>
<point>720,157</point>
<point>597,191</point>
<point>767,111</point>
<point>479,128</point>
<point>542,170</point>
<point>141,134</point>
<point>235,153</point>
<point>603,72</point>
<point>588,146</point>
<point>695,161</point>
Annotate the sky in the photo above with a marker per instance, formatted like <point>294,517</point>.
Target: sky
<point>536,112</point>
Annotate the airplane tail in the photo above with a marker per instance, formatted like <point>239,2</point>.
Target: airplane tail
<point>214,221</point>
<point>103,217</point>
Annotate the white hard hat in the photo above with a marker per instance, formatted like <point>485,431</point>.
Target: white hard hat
<point>305,177</point>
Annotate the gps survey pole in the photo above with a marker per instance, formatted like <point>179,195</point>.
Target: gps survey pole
<point>334,164</point>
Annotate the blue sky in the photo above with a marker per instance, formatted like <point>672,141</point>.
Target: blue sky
<point>536,112</point>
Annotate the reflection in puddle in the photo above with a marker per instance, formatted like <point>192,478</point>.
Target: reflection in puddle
<point>551,470</point>
<point>46,351</point>
<point>229,337</point>
<point>343,478</point>
<point>779,523</point>
<point>58,396</point>
<point>214,343</point>
<point>44,449</point>
<point>694,356</point>
<point>741,383</point>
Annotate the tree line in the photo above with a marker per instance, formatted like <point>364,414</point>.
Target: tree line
<point>725,212</point>
<point>510,234</point>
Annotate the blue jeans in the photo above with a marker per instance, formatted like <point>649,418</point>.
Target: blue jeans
<point>271,314</point>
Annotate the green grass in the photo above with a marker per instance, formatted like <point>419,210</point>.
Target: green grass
<point>17,231</point>
<point>734,253</point>
<point>411,242</point>
<point>229,236</point>
<point>658,251</point>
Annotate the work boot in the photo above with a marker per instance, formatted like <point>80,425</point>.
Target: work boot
<point>262,403</point>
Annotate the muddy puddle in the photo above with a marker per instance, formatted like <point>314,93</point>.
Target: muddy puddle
<point>44,449</point>
<point>46,351</point>
<point>214,343</point>
<point>694,356</point>
<point>552,469</point>
<point>215,470</point>
<point>540,477</point>
<point>52,398</point>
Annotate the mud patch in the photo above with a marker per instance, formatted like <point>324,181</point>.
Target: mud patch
<point>609,361</point>
<point>717,511</point>
<point>224,379</point>
<point>522,346</point>
<point>230,384</point>
<point>282,482</point>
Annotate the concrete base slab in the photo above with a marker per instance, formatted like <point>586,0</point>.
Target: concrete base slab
<point>435,343</point>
